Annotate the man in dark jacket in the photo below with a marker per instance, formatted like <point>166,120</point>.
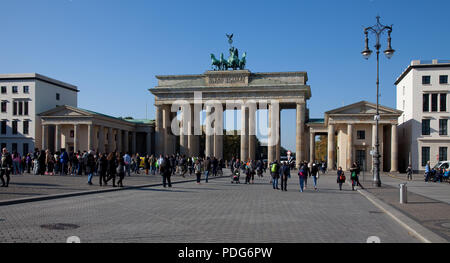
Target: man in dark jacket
<point>166,171</point>
<point>5,166</point>
<point>207,167</point>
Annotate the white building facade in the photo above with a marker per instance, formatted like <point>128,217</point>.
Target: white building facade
<point>423,93</point>
<point>23,97</point>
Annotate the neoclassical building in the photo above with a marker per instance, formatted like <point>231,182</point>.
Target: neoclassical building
<point>78,129</point>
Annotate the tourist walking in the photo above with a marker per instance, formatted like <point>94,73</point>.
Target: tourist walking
<point>102,169</point>
<point>112,165</point>
<point>64,159</point>
<point>315,174</point>
<point>90,166</point>
<point>166,172</point>
<point>207,168</point>
<point>120,171</point>
<point>427,172</point>
<point>340,177</point>
<point>16,163</point>
<point>198,170</point>
<point>275,173</point>
<point>6,166</point>
<point>355,170</point>
<point>302,174</point>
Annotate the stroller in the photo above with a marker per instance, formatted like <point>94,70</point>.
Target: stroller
<point>235,177</point>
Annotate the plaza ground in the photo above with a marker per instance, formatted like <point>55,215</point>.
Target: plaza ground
<point>215,212</point>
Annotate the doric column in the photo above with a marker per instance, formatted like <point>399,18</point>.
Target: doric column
<point>349,146</point>
<point>126,143</point>
<point>331,147</point>
<point>76,130</point>
<point>218,132</point>
<point>312,147</point>
<point>192,138</point>
<point>270,148</point>
<point>119,141</point>
<point>183,135</point>
<point>110,139</point>
<point>394,149</point>
<point>44,139</point>
<point>209,136</point>
<point>133,142</point>
<point>252,133</point>
<point>244,133</point>
<point>101,139</point>
<point>159,135</point>
<point>167,127</point>
<point>278,146</point>
<point>300,124</point>
<point>57,137</point>
<point>90,142</point>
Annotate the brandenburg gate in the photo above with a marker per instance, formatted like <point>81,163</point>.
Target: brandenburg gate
<point>215,91</point>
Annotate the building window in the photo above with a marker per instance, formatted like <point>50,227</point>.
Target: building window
<point>26,149</point>
<point>15,108</point>
<point>3,127</point>
<point>3,89</point>
<point>443,79</point>
<point>426,102</point>
<point>434,102</point>
<point>443,127</point>
<point>26,125</point>
<point>443,103</point>
<point>20,108</point>
<point>57,96</point>
<point>361,135</point>
<point>425,155</point>
<point>425,127</point>
<point>4,106</point>
<point>26,89</point>
<point>15,89</point>
<point>443,154</point>
<point>14,147</point>
<point>14,127</point>
<point>25,110</point>
<point>426,80</point>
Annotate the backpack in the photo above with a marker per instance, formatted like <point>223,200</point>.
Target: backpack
<point>274,168</point>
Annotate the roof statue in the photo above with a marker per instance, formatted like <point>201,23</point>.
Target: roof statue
<point>233,60</point>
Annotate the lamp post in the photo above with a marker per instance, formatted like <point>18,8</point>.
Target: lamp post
<point>377,30</point>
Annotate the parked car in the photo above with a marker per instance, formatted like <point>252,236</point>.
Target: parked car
<point>442,165</point>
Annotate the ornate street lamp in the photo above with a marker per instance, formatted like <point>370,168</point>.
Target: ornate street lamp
<point>378,29</point>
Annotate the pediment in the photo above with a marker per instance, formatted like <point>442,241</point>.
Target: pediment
<point>363,107</point>
<point>68,111</point>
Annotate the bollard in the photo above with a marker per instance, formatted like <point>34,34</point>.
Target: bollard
<point>403,194</point>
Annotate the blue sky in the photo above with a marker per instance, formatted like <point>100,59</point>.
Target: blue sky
<point>112,49</point>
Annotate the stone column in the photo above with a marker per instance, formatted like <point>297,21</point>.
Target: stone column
<point>101,139</point>
<point>209,143</point>
<point>90,142</point>
<point>126,145</point>
<point>300,124</point>
<point>110,140</point>
<point>278,147</point>
<point>331,147</point>
<point>44,139</point>
<point>183,136</point>
<point>166,129</point>
<point>119,141</point>
<point>159,134</point>
<point>270,148</point>
<point>57,137</point>
<point>218,133</point>
<point>192,138</point>
<point>76,145</point>
<point>244,133</point>
<point>312,147</point>
<point>133,142</point>
<point>394,149</point>
<point>349,146</point>
<point>252,134</point>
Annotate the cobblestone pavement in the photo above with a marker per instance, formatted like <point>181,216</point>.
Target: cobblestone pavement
<point>24,186</point>
<point>215,212</point>
<point>427,203</point>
